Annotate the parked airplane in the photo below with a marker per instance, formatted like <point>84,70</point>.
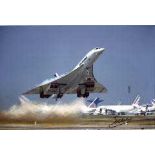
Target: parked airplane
<point>117,109</point>
<point>94,102</point>
<point>80,80</point>
<point>146,109</point>
<point>152,107</point>
<point>92,106</point>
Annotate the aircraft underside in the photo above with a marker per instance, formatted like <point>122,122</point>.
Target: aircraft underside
<point>57,90</point>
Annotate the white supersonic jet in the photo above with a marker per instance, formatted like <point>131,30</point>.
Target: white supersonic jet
<point>80,80</point>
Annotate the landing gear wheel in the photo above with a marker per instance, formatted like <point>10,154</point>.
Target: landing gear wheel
<point>42,94</point>
<point>86,94</point>
<point>79,93</point>
<point>59,95</point>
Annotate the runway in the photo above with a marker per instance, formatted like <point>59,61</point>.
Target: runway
<point>31,115</point>
<point>85,123</point>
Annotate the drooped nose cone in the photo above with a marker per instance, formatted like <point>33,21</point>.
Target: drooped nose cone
<point>100,51</point>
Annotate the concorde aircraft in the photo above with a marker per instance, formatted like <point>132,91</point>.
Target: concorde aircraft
<point>80,80</point>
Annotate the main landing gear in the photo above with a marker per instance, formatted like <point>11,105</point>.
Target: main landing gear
<point>42,95</point>
<point>79,94</point>
<point>59,95</point>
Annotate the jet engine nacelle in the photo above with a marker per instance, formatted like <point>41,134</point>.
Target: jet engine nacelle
<point>82,92</point>
<point>84,88</point>
<point>54,85</point>
<point>90,84</point>
<point>42,95</point>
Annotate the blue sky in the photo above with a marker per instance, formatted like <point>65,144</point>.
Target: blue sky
<point>31,54</point>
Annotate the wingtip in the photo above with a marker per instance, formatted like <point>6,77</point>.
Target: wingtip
<point>24,93</point>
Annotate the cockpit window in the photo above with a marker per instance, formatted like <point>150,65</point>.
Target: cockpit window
<point>97,48</point>
<point>84,59</point>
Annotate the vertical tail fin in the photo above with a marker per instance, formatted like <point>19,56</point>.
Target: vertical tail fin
<point>56,75</point>
<point>153,102</point>
<point>95,102</point>
<point>136,101</point>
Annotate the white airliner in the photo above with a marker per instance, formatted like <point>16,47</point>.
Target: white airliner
<point>146,109</point>
<point>80,80</point>
<point>92,106</point>
<point>117,109</point>
<point>151,108</point>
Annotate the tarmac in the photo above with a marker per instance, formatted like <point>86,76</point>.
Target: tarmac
<point>84,122</point>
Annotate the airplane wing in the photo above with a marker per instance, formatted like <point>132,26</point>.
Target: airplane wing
<point>88,74</point>
<point>61,81</point>
<point>66,86</point>
<point>98,87</point>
